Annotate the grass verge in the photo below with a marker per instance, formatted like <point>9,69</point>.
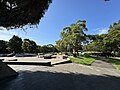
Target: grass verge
<point>115,62</point>
<point>83,60</point>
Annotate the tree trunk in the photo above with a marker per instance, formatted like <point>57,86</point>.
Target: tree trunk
<point>74,54</point>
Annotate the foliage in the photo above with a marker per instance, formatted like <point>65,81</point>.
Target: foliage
<point>3,46</point>
<point>86,54</point>
<point>29,46</point>
<point>108,43</point>
<point>115,62</point>
<point>44,49</point>
<point>83,60</point>
<point>72,37</point>
<point>47,49</point>
<point>15,44</point>
<point>17,13</point>
<point>61,45</point>
<point>51,48</point>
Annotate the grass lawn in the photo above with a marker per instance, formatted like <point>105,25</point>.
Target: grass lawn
<point>83,60</point>
<point>115,62</point>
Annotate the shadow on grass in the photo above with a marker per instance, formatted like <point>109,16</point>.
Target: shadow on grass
<point>82,56</point>
<point>114,61</point>
<point>85,60</point>
<point>40,80</point>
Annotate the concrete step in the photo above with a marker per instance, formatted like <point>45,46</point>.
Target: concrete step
<point>60,62</point>
<point>44,63</point>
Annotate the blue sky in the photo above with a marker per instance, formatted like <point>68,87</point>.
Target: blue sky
<point>98,14</point>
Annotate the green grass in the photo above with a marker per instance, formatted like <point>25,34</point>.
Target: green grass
<point>115,62</point>
<point>83,60</point>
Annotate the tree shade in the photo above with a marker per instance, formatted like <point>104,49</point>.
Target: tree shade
<point>18,13</point>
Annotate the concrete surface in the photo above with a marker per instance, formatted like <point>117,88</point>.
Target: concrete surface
<point>6,71</point>
<point>34,60</point>
<point>103,63</point>
<point>63,77</point>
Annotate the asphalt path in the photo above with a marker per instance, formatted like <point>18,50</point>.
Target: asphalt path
<point>103,63</point>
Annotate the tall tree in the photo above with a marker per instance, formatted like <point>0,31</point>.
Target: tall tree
<point>109,42</point>
<point>29,46</point>
<point>74,35</point>
<point>15,44</point>
<point>113,37</point>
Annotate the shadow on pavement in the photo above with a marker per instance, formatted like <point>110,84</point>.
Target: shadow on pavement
<point>40,80</point>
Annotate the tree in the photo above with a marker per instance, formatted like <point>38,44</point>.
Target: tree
<point>107,43</point>
<point>47,48</point>
<point>29,46</point>
<point>18,13</point>
<point>112,40</point>
<point>51,48</point>
<point>39,49</point>
<point>73,36</point>
<point>61,45</point>
<point>95,43</point>
<point>15,44</point>
<point>3,46</point>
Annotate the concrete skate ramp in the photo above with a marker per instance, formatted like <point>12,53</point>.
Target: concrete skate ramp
<point>6,71</point>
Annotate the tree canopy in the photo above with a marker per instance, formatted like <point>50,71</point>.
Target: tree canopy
<point>15,44</point>
<point>29,46</point>
<point>72,36</point>
<point>109,42</point>
<point>18,13</point>
<point>3,46</point>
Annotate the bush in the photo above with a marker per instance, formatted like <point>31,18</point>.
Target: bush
<point>87,55</point>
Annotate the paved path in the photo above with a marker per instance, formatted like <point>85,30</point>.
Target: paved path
<point>63,77</point>
<point>103,62</point>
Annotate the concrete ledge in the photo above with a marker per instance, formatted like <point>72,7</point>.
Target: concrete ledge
<point>61,62</point>
<point>6,71</point>
<point>44,63</point>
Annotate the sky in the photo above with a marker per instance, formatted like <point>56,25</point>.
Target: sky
<point>61,13</point>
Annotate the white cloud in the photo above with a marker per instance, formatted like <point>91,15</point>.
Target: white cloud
<point>7,34</point>
<point>103,31</point>
<point>2,28</point>
<point>100,31</point>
